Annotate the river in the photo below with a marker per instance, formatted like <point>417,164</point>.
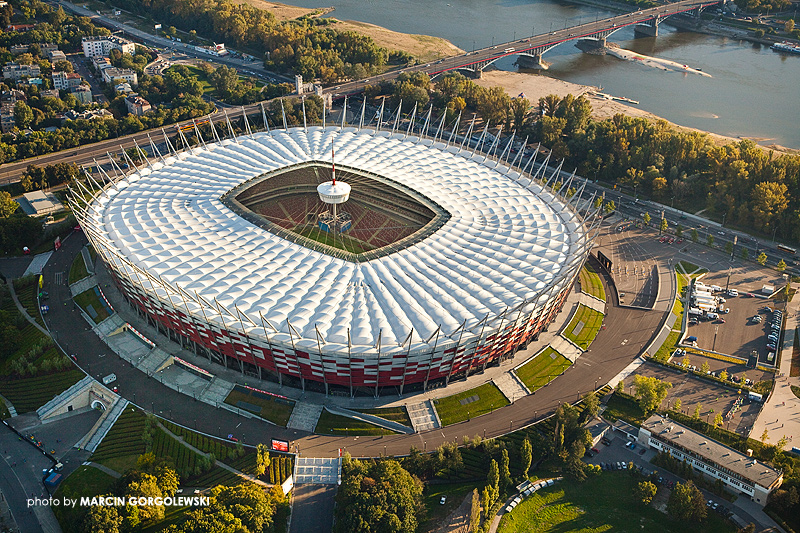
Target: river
<point>752,91</point>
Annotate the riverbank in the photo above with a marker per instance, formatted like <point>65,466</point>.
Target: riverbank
<point>535,86</point>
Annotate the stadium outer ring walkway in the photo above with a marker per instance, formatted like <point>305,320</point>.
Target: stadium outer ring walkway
<point>626,332</point>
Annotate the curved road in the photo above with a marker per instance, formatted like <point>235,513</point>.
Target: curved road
<point>627,331</point>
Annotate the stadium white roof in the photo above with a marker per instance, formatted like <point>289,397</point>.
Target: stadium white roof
<point>505,242</point>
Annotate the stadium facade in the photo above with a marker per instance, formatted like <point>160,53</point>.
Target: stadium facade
<point>480,280</point>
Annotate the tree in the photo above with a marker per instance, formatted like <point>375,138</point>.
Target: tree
<point>710,240</point>
<point>679,231</point>
<point>745,253</point>
<point>762,259</point>
<point>146,485</point>
<point>493,476</point>
<point>23,115</point>
<point>620,388</point>
<point>677,404</point>
<point>704,368</point>
<point>7,205</point>
<point>695,236</point>
<point>781,266</point>
<point>686,362</point>
<point>193,34</point>
<point>598,202</point>
<point>723,375</point>
<point>262,459</point>
<point>645,491</point>
<point>650,392</point>
<point>729,247</point>
<point>664,225</point>
<point>686,503</point>
<point>377,496</point>
<point>505,473</point>
<point>765,436</point>
<point>697,411</point>
<point>526,457</point>
<point>769,200</point>
<point>718,420</point>
<point>102,519</point>
<point>646,218</point>
<point>610,207</point>
<point>788,27</point>
<point>591,406</point>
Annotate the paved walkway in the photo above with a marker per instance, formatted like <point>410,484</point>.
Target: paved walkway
<point>423,417</point>
<point>592,302</point>
<point>22,309</point>
<point>103,468</point>
<point>82,285</point>
<point>38,263</point>
<point>317,470</point>
<point>511,386</point>
<point>305,416</point>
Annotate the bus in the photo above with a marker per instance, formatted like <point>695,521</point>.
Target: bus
<point>786,249</point>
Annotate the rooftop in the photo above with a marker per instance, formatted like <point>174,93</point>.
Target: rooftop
<point>672,432</point>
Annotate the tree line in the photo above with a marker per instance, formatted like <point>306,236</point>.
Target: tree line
<point>746,183</point>
<point>307,46</point>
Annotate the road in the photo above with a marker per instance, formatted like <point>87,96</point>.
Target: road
<point>627,331</point>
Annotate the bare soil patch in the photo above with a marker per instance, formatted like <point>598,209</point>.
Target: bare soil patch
<point>423,47</point>
<point>285,12</point>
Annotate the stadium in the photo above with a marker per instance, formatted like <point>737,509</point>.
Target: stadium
<point>439,262</point>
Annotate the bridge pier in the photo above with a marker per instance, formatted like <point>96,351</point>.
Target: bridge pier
<point>645,30</point>
<point>592,45</point>
<point>532,62</point>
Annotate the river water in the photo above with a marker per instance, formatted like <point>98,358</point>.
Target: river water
<point>752,92</point>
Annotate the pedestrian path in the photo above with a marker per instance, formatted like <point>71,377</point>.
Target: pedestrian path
<point>305,416</point>
<point>423,417</point>
<point>511,386</point>
<point>37,264</point>
<point>87,259</point>
<point>566,347</point>
<point>216,391</point>
<point>317,470</point>
<point>103,468</point>
<point>22,309</point>
<point>371,419</point>
<point>82,285</point>
<point>592,302</point>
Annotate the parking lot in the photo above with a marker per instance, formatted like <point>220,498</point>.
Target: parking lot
<point>693,391</point>
<point>736,333</point>
<point>717,366</point>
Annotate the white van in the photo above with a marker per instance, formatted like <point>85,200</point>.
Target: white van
<point>716,288</point>
<point>712,316</point>
<point>109,379</point>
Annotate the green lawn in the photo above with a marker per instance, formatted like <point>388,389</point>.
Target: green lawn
<point>276,410</point>
<point>28,394</point>
<point>331,424</point>
<point>692,269</point>
<point>542,369</point>
<point>85,481</point>
<point>78,269</point>
<point>394,414</point>
<point>342,242</point>
<point>89,301</point>
<point>208,89</point>
<point>602,503</point>
<point>664,351</point>
<point>591,283</point>
<point>469,404</point>
<point>584,326</point>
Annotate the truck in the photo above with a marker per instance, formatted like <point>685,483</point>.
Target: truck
<point>694,311</point>
<point>52,480</point>
<point>109,379</point>
<point>755,397</point>
<point>767,289</point>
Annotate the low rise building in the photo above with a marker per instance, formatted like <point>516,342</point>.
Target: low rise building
<point>101,63</point>
<point>7,122</point>
<point>137,105</point>
<point>83,93</point>
<point>21,27</point>
<point>101,46</point>
<point>49,93</point>
<point>65,81</point>
<point>56,55</point>
<point>86,115</point>
<point>124,88</point>
<point>739,472</point>
<point>39,203</point>
<point>111,75</point>
<point>15,71</point>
